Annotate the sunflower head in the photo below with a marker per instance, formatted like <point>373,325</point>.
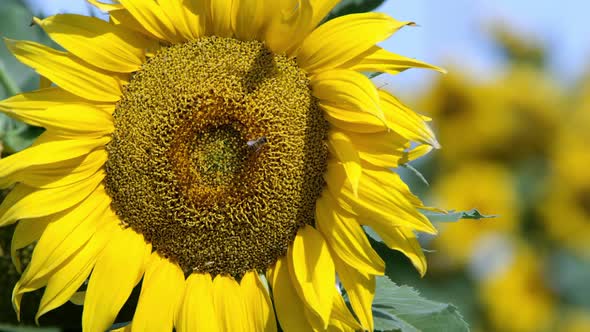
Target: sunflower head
<point>199,144</point>
<point>220,151</point>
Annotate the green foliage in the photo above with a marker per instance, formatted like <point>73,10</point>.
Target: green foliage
<point>15,23</point>
<point>453,216</point>
<point>18,136</point>
<point>346,7</point>
<point>401,308</point>
<point>570,275</point>
<point>416,173</point>
<point>27,329</point>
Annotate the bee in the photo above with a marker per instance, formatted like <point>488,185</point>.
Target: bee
<point>256,145</point>
<point>205,265</point>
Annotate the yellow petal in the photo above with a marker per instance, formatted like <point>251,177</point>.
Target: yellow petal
<point>161,295</point>
<point>383,198</point>
<point>62,173</point>
<point>45,98</point>
<point>68,72</point>
<point>44,82</point>
<point>185,21</point>
<point>230,307</point>
<point>349,90</point>
<point>126,328</point>
<point>18,296</point>
<point>69,119</point>
<point>46,150</point>
<point>118,269</point>
<point>417,152</point>
<point>64,284</point>
<point>312,271</point>
<point>97,42</point>
<point>105,7</point>
<point>360,288</point>
<point>23,201</point>
<point>258,304</point>
<point>338,326</point>
<point>65,234</point>
<point>344,38</point>
<point>153,18</point>
<point>341,146</point>
<point>197,312</point>
<point>392,182</point>
<point>376,59</point>
<point>321,8</point>
<point>288,305</point>
<point>32,285</point>
<point>78,298</point>
<point>249,19</point>
<point>406,122</point>
<point>220,19</point>
<point>26,232</point>
<point>404,241</point>
<point>353,121</point>
<point>383,149</point>
<point>346,237</point>
<point>197,12</point>
<point>123,18</point>
<point>341,314</point>
<point>288,22</point>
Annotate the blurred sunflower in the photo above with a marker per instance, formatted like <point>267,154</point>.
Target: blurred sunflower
<point>566,205</point>
<point>515,116</point>
<point>575,320</point>
<point>491,190</point>
<point>201,145</point>
<point>515,296</point>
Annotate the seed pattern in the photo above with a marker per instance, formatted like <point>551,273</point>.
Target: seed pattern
<point>217,155</point>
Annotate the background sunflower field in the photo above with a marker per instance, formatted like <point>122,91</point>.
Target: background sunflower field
<point>513,117</point>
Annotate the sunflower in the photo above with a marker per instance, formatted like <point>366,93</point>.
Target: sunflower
<point>520,281</point>
<point>565,207</point>
<point>226,153</point>
<point>522,105</point>
<point>494,193</point>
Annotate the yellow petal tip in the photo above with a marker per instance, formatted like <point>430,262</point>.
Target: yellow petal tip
<point>435,144</point>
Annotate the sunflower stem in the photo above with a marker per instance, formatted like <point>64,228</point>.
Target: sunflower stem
<point>7,82</point>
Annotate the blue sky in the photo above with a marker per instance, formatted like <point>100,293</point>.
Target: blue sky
<point>454,31</point>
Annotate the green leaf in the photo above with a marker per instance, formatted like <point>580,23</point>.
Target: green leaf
<point>7,82</point>
<point>21,136</point>
<point>372,75</point>
<point>15,23</point>
<point>12,328</point>
<point>474,214</point>
<point>401,308</point>
<point>453,216</point>
<point>346,7</point>
<point>416,173</point>
<point>569,275</point>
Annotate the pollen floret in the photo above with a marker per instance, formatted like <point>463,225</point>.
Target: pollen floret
<point>181,170</point>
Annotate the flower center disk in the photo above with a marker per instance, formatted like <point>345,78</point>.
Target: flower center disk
<point>217,155</point>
